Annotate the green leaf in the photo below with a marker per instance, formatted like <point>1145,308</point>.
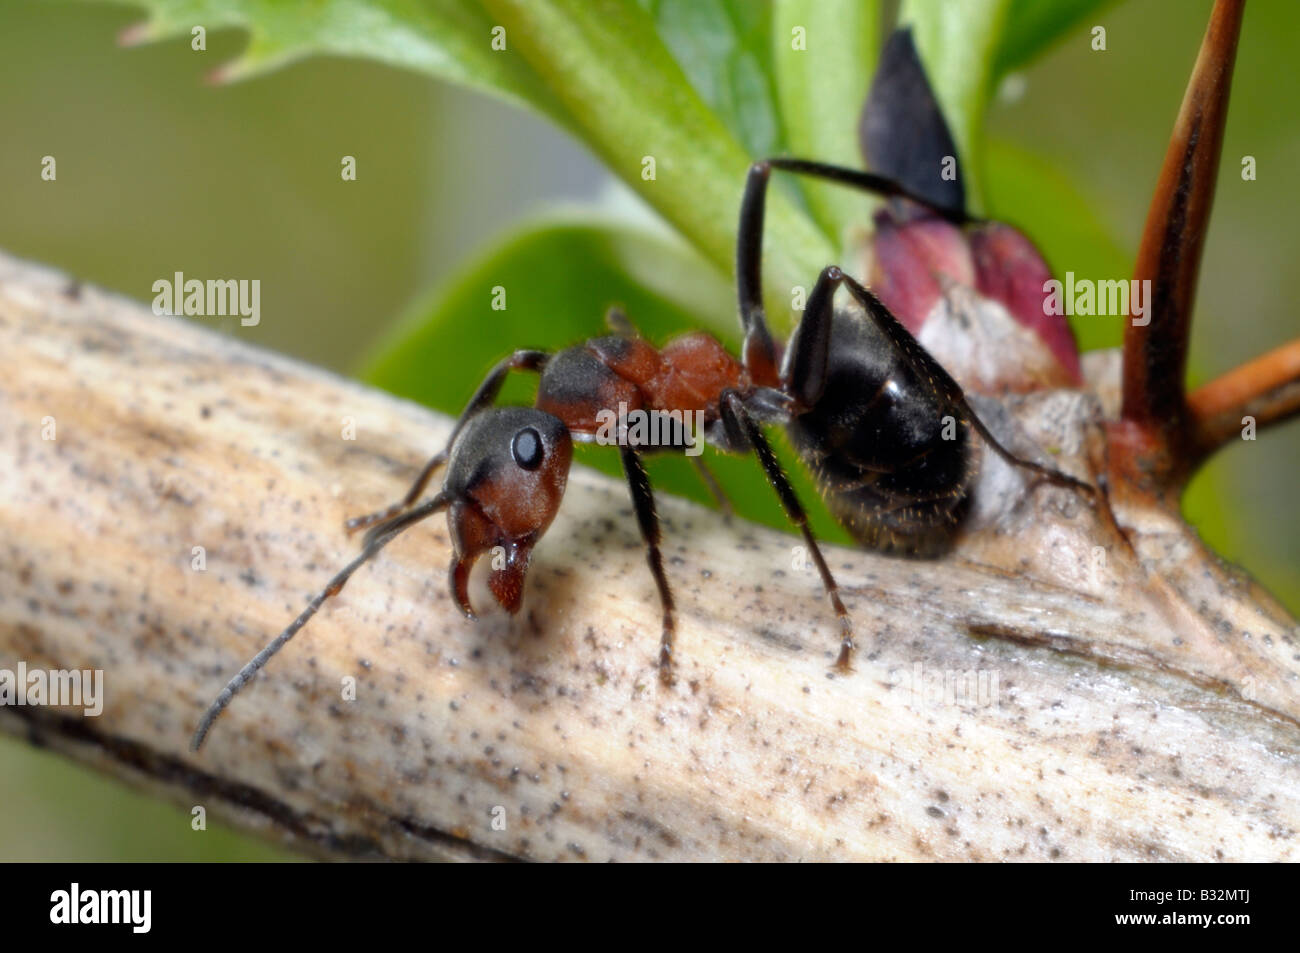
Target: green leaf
<point>559,276</point>
<point>723,46</point>
<point>597,67</point>
<point>822,75</point>
<point>958,41</point>
<point>1032,26</point>
<point>1027,190</point>
<point>605,62</point>
<point>449,39</point>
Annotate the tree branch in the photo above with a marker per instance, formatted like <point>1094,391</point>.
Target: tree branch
<point>1065,685</point>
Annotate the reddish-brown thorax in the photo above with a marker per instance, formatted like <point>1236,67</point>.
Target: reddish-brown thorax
<point>688,374</point>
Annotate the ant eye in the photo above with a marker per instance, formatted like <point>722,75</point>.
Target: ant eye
<point>527,448</point>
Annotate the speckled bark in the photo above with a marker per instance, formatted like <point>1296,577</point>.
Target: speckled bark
<point>1129,698</point>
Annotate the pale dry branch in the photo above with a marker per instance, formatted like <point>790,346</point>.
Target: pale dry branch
<point>1145,703</point>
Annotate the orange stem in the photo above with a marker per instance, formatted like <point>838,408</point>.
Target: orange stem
<point>1155,353</point>
<point>1267,389</point>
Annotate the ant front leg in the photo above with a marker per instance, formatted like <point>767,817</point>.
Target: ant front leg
<point>643,502</point>
<point>485,395</point>
<point>742,428</point>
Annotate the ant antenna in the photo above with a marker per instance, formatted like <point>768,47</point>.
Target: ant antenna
<point>377,539</point>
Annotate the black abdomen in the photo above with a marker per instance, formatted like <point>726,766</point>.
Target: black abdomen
<point>892,457</point>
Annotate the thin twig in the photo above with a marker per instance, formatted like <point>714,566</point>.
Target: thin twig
<point>1265,390</point>
<point>1169,256</point>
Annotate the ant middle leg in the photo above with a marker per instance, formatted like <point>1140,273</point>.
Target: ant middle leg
<point>714,487</point>
<point>743,427</point>
<point>485,395</point>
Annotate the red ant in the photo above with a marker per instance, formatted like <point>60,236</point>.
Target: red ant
<point>864,404</point>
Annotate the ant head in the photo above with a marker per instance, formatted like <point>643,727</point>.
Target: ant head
<point>505,479</point>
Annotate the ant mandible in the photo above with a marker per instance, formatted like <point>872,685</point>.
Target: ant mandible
<point>866,408</point>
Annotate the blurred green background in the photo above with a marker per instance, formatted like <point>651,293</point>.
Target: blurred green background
<point>159,171</point>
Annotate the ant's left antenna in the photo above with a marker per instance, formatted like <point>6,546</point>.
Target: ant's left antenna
<point>377,539</point>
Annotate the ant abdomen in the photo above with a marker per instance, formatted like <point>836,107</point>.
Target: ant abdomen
<point>892,458</point>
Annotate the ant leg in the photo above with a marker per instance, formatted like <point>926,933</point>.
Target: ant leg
<point>926,366</point>
<point>385,534</point>
<point>643,502</point>
<point>486,394</point>
<point>867,182</point>
<point>737,418</point>
<point>1050,474</point>
<point>715,488</point>
<point>810,344</point>
<point>435,464</point>
<point>759,352</point>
